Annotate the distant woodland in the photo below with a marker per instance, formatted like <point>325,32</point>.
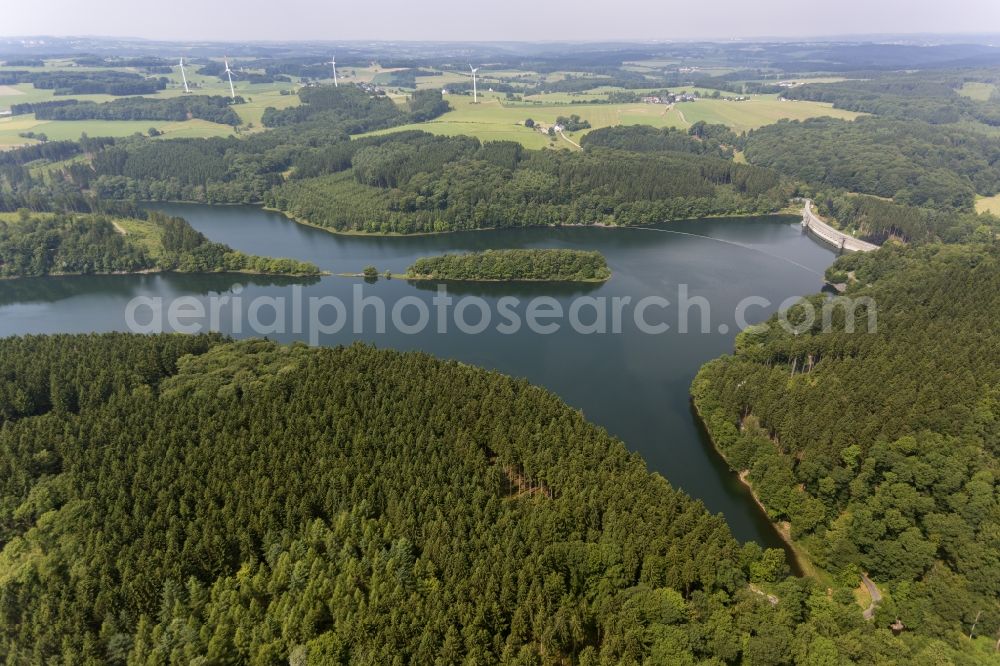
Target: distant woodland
<point>108,82</point>
<point>212,108</point>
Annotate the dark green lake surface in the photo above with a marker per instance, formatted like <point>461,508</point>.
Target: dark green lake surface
<point>634,384</point>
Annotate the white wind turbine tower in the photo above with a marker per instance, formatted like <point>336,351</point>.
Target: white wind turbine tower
<point>184,77</point>
<point>229,73</point>
<point>475,95</point>
<point>333,61</point>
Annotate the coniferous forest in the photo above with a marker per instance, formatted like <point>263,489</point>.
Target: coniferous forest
<point>177,499</point>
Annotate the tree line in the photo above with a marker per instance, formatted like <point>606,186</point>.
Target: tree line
<point>102,82</point>
<point>213,108</point>
<point>356,109</point>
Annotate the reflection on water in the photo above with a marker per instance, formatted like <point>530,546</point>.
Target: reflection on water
<point>60,288</point>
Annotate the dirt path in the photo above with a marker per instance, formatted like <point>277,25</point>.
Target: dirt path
<point>873,592</point>
<point>569,139</point>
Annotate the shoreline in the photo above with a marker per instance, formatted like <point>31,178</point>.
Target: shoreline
<point>156,271</point>
<point>800,558</point>
<point>788,211</point>
<point>572,225</point>
<point>430,278</point>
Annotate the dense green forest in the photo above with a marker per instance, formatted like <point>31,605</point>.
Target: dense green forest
<point>417,182</point>
<point>56,244</point>
<point>364,111</point>
<point>881,449</point>
<point>176,500</point>
<point>531,264</point>
<point>406,182</point>
<point>877,220</point>
<point>914,163</point>
<point>213,108</point>
<point>701,138</point>
<point>64,244</point>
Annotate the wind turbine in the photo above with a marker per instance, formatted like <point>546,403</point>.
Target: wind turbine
<point>184,77</point>
<point>229,73</point>
<point>475,95</point>
<point>333,61</point>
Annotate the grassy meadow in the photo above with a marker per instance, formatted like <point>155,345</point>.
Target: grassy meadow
<point>988,204</point>
<point>496,119</point>
<point>978,91</point>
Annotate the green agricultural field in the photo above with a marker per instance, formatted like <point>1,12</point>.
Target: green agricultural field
<point>11,127</point>
<point>756,112</point>
<point>251,111</point>
<point>23,93</point>
<point>816,79</point>
<point>443,81</point>
<point>259,96</point>
<point>493,119</point>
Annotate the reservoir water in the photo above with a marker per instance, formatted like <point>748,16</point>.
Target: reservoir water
<point>634,383</point>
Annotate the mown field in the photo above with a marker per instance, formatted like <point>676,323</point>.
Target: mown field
<point>495,119</point>
<point>988,204</point>
<point>11,128</point>
<point>258,97</point>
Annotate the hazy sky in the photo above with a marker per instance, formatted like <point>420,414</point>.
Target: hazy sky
<point>528,20</point>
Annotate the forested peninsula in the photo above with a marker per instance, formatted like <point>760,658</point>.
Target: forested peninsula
<point>36,244</point>
<point>522,265</point>
<point>880,449</point>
